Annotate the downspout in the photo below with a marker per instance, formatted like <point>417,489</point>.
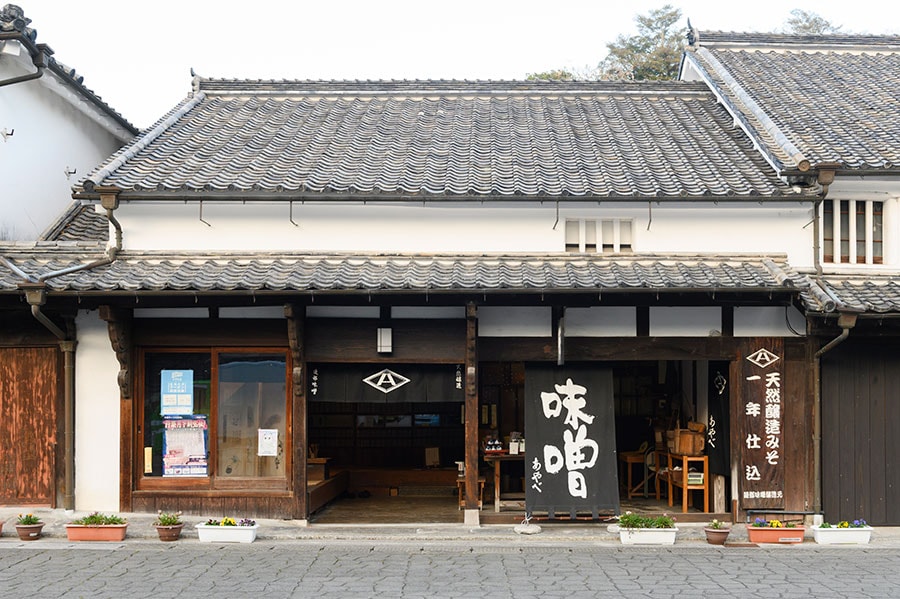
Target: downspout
<point>845,321</point>
<point>36,295</point>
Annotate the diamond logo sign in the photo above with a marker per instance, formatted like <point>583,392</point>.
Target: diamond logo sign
<point>386,381</point>
<point>763,358</point>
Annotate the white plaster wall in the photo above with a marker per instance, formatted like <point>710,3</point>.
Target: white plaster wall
<point>768,321</point>
<point>50,135</point>
<point>96,417</point>
<point>514,321</point>
<point>678,321</point>
<point>745,227</point>
<point>601,321</point>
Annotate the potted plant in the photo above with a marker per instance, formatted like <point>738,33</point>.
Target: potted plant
<point>857,532</point>
<point>168,525</point>
<point>775,531</point>
<point>97,527</point>
<point>29,527</point>
<point>716,532</point>
<point>227,530</point>
<point>635,529</point>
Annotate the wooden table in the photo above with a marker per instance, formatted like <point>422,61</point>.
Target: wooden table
<point>627,460</point>
<point>685,462</point>
<point>497,459</point>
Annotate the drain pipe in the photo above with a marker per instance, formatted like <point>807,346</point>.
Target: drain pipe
<point>36,295</point>
<point>35,289</point>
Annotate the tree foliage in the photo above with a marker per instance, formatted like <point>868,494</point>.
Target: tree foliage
<point>653,54</point>
<point>804,22</point>
<point>554,75</point>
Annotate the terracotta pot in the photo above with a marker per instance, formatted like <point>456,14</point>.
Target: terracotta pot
<point>716,536</point>
<point>169,533</point>
<point>29,532</point>
<point>765,534</point>
<point>105,532</point>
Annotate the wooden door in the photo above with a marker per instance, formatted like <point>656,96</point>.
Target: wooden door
<point>860,420</point>
<point>29,389</point>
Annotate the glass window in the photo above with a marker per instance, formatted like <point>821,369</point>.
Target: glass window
<point>212,415</point>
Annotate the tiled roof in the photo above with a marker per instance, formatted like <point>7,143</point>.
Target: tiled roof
<point>442,139</point>
<point>825,99</point>
<point>878,294</point>
<point>78,223</point>
<point>156,272</point>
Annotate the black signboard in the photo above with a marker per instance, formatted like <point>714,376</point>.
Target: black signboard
<point>718,434</point>
<point>386,383</point>
<point>570,459</point>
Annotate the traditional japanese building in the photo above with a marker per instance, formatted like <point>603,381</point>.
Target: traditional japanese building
<point>284,291</point>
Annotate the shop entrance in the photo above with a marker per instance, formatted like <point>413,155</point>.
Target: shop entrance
<point>661,408</point>
<point>384,442</point>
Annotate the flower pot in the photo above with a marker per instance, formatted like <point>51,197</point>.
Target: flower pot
<point>835,536</point>
<point>716,536</point>
<point>29,532</point>
<point>103,532</point>
<point>170,532</point>
<point>226,534</point>
<point>767,534</point>
<point>647,536</point>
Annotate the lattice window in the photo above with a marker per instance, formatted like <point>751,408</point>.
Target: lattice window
<point>853,231</point>
<point>606,236</point>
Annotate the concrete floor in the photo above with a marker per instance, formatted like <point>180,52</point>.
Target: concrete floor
<point>444,509</point>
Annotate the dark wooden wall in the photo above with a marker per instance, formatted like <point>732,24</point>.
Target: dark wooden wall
<point>860,424</point>
<point>30,383</point>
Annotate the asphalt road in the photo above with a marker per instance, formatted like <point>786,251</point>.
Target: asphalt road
<point>348,570</point>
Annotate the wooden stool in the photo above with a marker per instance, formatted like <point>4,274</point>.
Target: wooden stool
<point>461,489</point>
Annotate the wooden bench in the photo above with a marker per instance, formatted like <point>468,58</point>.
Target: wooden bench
<point>461,489</point>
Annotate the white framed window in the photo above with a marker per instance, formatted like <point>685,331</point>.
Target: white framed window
<point>605,236</point>
<point>852,231</point>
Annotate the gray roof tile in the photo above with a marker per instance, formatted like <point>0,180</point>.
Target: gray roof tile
<point>878,294</point>
<point>835,98</point>
<point>414,273</point>
<point>443,139</point>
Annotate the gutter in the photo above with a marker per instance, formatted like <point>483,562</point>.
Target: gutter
<point>35,289</point>
<point>39,54</point>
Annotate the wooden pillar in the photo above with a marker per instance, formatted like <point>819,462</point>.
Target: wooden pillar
<point>119,325</point>
<point>299,435</point>
<point>471,424</point>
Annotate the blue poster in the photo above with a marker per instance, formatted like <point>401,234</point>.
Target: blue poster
<point>176,395</point>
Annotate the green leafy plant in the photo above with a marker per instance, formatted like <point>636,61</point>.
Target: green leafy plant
<point>858,523</point>
<point>717,524</point>
<point>167,518</point>
<point>28,519</point>
<point>632,520</point>
<point>230,522</point>
<point>98,519</point>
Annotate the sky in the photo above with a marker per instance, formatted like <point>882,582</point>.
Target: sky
<point>137,54</point>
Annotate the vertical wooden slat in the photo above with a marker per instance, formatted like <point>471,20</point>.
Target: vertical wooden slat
<point>874,508</point>
<point>119,326</point>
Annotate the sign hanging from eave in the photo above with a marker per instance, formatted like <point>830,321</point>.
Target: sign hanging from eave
<point>570,461</point>
<point>386,383</point>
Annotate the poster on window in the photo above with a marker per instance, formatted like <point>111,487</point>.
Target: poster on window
<point>570,460</point>
<point>176,392</point>
<point>762,416</point>
<point>184,446</point>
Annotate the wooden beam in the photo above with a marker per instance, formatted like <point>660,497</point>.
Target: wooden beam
<point>119,324</point>
<point>298,435</point>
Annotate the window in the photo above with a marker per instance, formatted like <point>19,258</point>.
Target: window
<point>214,416</point>
<point>852,232</point>
<point>607,236</point>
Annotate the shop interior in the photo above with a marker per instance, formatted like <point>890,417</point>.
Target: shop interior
<point>403,460</point>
